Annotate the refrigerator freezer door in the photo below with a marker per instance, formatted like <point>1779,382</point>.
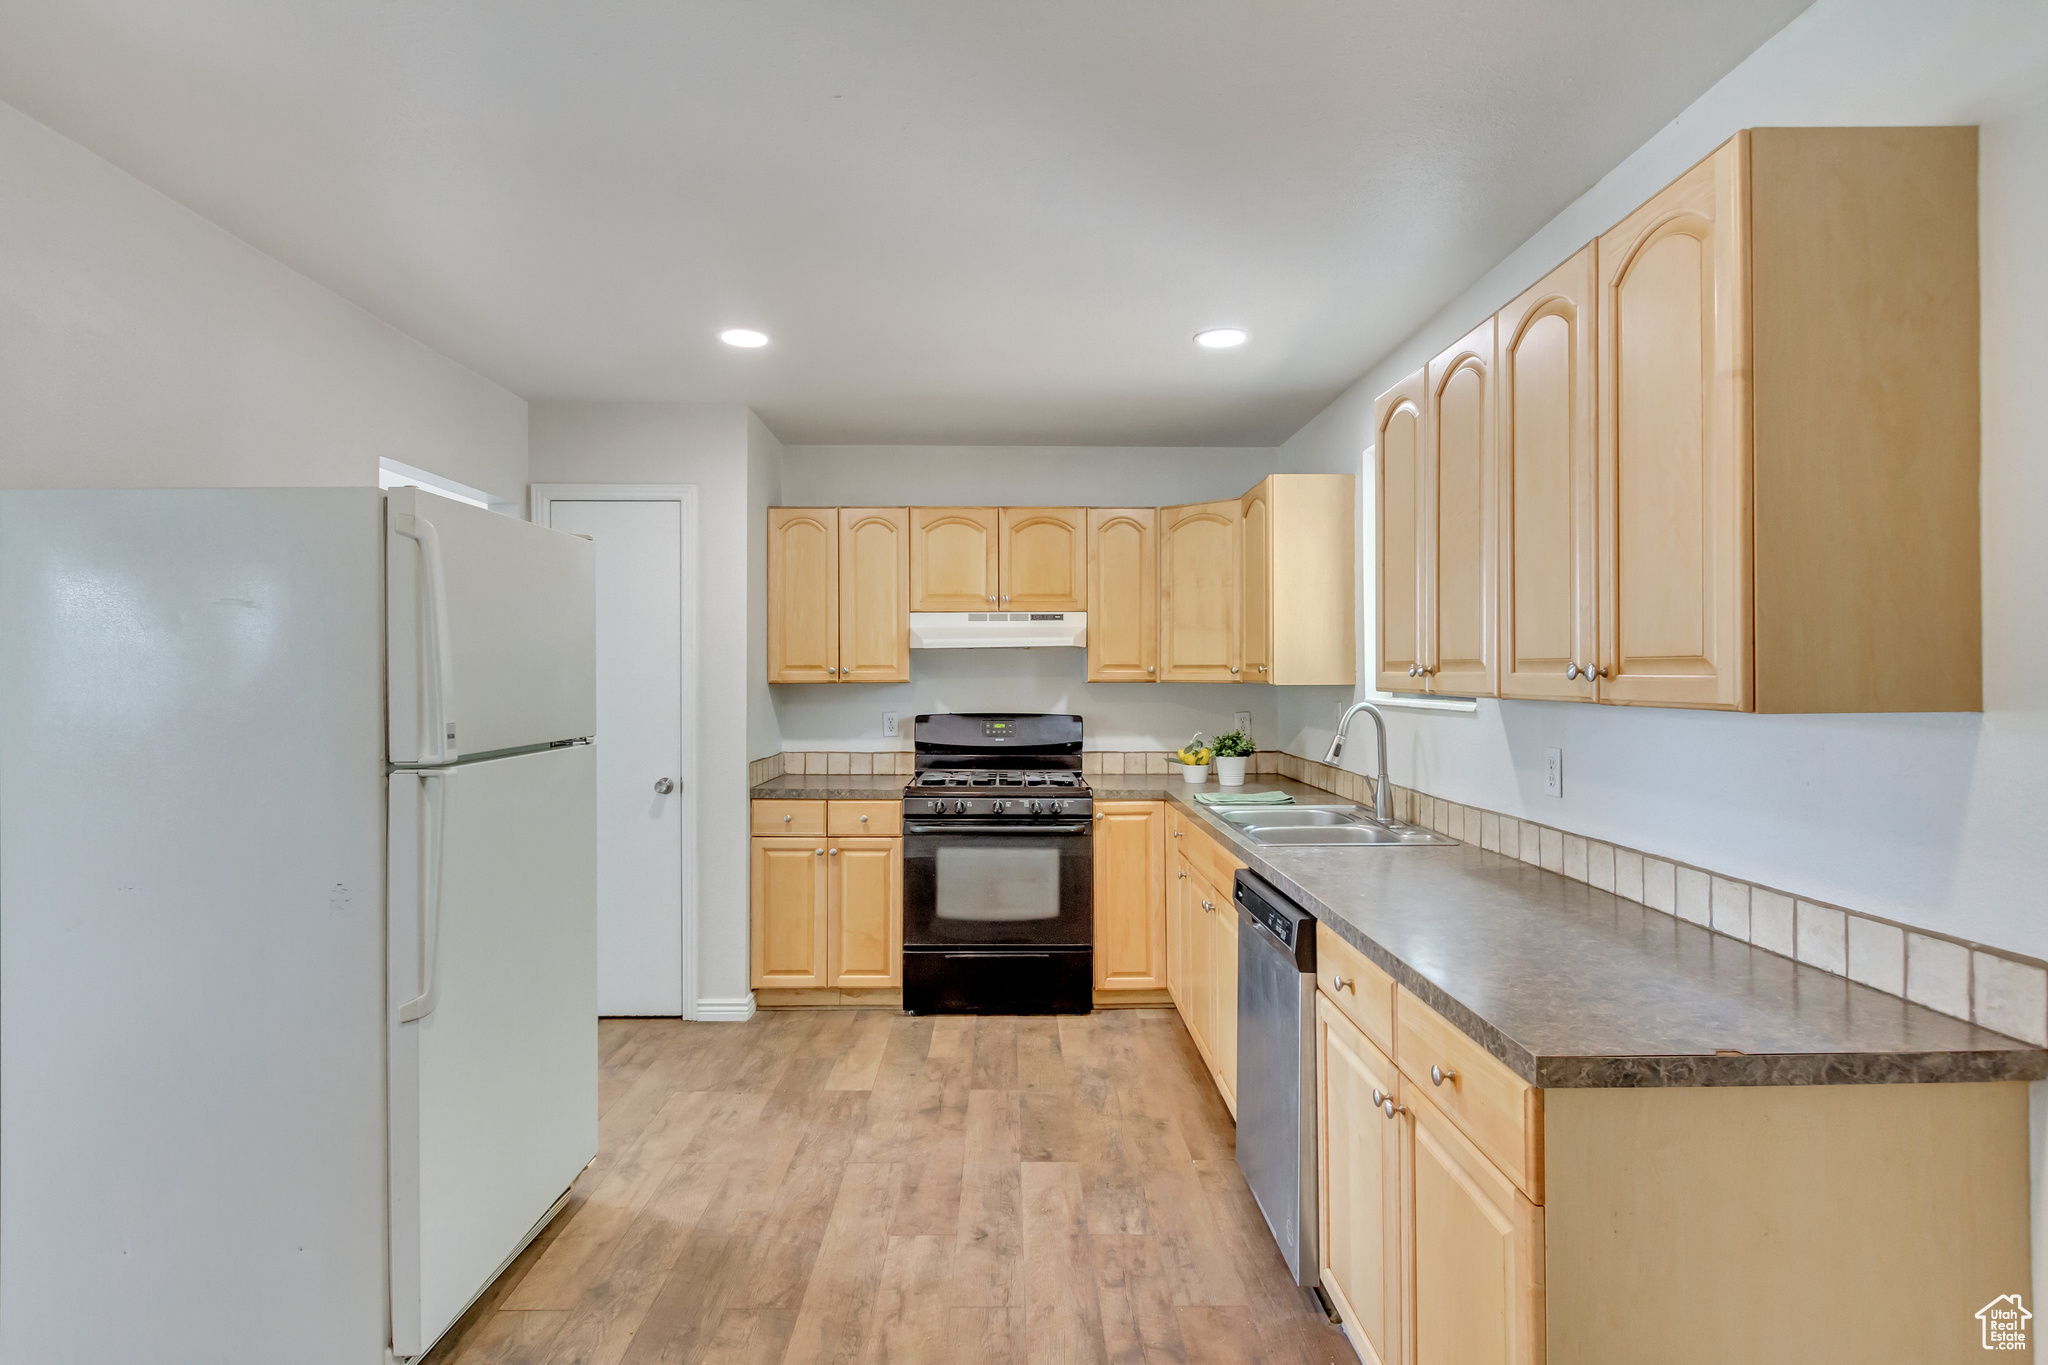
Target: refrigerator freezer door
<point>491,631</point>
<point>494,1087</point>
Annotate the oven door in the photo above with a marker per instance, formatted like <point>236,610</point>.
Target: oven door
<point>998,884</point>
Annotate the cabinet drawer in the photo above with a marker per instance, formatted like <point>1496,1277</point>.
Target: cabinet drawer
<point>1499,1112</point>
<point>878,819</point>
<point>1367,995</point>
<point>1188,837</point>
<point>789,817</point>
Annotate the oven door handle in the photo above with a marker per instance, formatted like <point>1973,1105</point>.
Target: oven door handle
<point>1021,830</point>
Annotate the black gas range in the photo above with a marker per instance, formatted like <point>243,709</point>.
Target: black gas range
<point>998,867</point>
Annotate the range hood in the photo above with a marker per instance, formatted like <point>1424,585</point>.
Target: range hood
<point>998,629</point>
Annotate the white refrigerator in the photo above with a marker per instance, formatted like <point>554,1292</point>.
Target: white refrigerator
<point>298,1016</point>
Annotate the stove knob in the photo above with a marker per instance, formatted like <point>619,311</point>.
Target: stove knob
<point>938,808</point>
<point>998,807</point>
<point>960,807</point>
<point>1032,808</point>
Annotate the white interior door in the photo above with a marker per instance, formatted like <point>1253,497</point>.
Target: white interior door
<point>645,930</point>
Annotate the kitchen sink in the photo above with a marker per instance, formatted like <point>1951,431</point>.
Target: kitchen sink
<point>1321,826</point>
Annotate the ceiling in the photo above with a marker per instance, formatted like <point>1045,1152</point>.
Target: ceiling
<point>987,223</point>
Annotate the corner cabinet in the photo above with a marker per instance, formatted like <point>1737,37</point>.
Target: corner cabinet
<point>838,594</point>
<point>1300,580</point>
<point>1130,896</point>
<point>1199,598</point>
<point>1123,594</point>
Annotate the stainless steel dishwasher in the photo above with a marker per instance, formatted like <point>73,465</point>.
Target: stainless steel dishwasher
<point>1276,1066</point>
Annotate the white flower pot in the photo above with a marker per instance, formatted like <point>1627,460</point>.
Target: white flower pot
<point>1230,771</point>
<point>1194,772</point>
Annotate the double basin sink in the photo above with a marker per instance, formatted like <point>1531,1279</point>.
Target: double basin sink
<point>1323,825</point>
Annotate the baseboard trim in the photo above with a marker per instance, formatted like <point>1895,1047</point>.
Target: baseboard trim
<point>730,1010</point>
<point>1133,1000</point>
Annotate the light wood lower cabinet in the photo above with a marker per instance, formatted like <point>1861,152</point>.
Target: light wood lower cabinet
<point>1690,1226</point>
<point>864,913</point>
<point>826,910</point>
<point>1130,896</point>
<point>1476,1250</point>
<point>788,913</point>
<point>1202,955</point>
<point>1359,1153</point>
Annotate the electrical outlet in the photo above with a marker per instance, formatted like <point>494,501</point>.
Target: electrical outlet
<point>1553,772</point>
<point>889,724</point>
<point>1244,720</point>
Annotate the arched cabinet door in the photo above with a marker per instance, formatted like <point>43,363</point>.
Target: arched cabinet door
<point>1399,454</point>
<point>874,594</point>
<point>1255,510</point>
<point>1674,437</point>
<point>1123,594</point>
<point>1199,567</point>
<point>1459,495</point>
<point>1548,602</point>
<point>803,594</point>
<point>953,558</point>
<point>1044,559</point>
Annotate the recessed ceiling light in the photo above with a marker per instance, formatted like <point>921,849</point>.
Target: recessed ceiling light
<point>1222,338</point>
<point>745,337</point>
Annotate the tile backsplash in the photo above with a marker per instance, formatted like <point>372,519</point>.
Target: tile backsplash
<point>1999,990</point>
<point>2002,991</point>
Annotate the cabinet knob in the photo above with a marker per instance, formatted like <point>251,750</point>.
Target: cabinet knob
<point>1262,668</point>
<point>1149,668</point>
<point>1176,833</point>
<point>863,819</point>
<point>1571,672</point>
<point>1379,1097</point>
<point>787,818</point>
<point>832,672</point>
<point>819,851</point>
<point>1343,983</point>
<point>1389,1108</point>
<point>991,599</point>
<point>1182,875</point>
<point>835,853</point>
<point>1233,669</point>
<point>1437,1075</point>
<point>1098,815</point>
<point>1208,905</point>
<point>1411,670</point>
<point>1006,597</point>
<point>1600,674</point>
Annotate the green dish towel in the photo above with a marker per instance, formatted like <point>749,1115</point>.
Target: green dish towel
<point>1244,799</point>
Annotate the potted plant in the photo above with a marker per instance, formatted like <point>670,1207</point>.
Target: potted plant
<point>1194,759</point>
<point>1232,752</point>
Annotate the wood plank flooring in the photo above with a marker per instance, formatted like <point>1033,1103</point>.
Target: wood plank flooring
<point>861,1186</point>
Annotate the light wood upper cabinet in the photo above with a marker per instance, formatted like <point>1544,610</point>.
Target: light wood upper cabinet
<point>1301,580</point>
<point>874,594</point>
<point>789,897</point>
<point>1130,896</point>
<point>803,594</point>
<point>1398,440</point>
<point>1043,559</point>
<point>1358,1151</point>
<point>1123,594</point>
<point>1255,511</point>
<point>1476,1252</point>
<point>1459,500</point>
<point>953,558</point>
<point>1199,598</point>
<point>1675,443</point>
<point>1549,619</point>
<point>865,915</point>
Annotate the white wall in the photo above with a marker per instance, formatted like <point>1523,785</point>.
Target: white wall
<point>1118,715</point>
<point>141,346</point>
<point>1934,820</point>
<point>706,445</point>
<point>765,457</point>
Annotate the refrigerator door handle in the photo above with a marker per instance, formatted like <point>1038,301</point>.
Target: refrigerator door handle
<point>435,794</point>
<point>436,720</point>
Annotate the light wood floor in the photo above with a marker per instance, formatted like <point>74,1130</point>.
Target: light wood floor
<point>861,1186</point>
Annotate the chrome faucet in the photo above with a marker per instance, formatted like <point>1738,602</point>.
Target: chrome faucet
<point>1382,790</point>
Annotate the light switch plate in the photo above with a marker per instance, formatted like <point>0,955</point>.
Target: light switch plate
<point>1553,772</point>
<point>1244,720</point>
<point>889,724</point>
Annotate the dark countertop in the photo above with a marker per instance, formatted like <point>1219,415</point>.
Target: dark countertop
<point>1571,986</point>
<point>836,787</point>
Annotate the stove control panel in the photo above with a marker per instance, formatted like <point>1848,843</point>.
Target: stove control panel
<point>998,807</point>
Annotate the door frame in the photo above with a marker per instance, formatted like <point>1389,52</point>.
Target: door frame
<point>542,497</point>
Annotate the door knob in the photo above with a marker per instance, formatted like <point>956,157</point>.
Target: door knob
<point>665,787</point>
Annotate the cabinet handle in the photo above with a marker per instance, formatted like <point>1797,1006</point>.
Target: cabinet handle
<point>1411,670</point>
<point>863,819</point>
<point>835,853</point>
<point>1343,983</point>
<point>1176,833</point>
<point>1182,875</point>
<point>1006,597</point>
<point>1262,668</point>
<point>1389,1108</point>
<point>1233,670</point>
<point>1571,672</point>
<point>991,599</point>
<point>787,818</point>
<point>1098,815</point>
<point>1148,668</point>
<point>1208,905</point>
<point>832,672</point>
<point>1437,1075</point>
<point>819,851</point>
